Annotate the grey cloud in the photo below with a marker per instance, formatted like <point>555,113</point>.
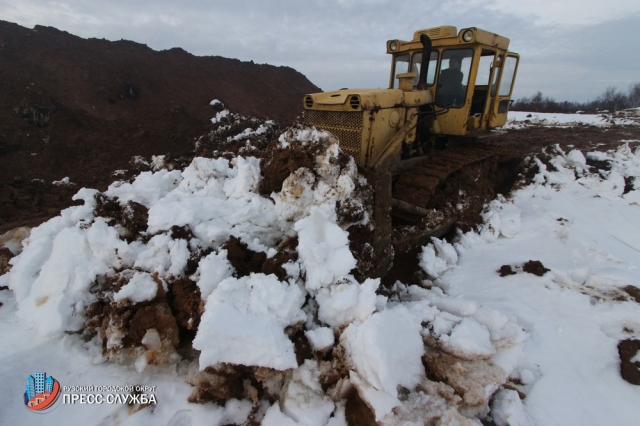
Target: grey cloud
<point>341,43</point>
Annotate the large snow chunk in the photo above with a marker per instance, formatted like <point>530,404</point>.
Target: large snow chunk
<point>244,321</point>
<point>205,176</point>
<point>437,257</point>
<point>320,338</point>
<point>212,269</point>
<point>380,401</point>
<point>341,303</point>
<point>246,179</point>
<point>490,229</point>
<point>52,278</point>
<point>140,288</point>
<point>576,158</point>
<point>297,195</point>
<point>510,221</point>
<point>507,409</point>
<point>386,350</point>
<point>275,417</point>
<point>324,248</point>
<point>304,401</point>
<point>469,339</point>
<point>147,188</point>
<point>164,255</point>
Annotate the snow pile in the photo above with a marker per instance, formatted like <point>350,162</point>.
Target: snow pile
<point>250,256</point>
<point>238,274</point>
<point>613,174</point>
<point>522,120</point>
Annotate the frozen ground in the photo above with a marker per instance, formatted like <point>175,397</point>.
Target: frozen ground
<point>489,334</point>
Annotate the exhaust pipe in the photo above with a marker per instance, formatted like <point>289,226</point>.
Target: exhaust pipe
<point>426,57</point>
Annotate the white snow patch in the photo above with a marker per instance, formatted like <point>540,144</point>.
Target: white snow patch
<point>324,248</point>
<point>141,287</point>
<point>244,321</point>
<point>386,351</point>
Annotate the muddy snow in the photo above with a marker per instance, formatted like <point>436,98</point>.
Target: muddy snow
<point>230,284</point>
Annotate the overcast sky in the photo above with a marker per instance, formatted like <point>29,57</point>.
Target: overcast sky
<point>570,49</point>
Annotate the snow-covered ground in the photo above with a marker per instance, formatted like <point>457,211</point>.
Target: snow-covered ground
<point>520,119</point>
<point>535,350</point>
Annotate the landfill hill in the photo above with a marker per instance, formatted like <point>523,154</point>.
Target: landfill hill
<point>82,108</point>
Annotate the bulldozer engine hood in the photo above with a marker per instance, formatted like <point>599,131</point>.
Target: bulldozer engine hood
<point>367,99</point>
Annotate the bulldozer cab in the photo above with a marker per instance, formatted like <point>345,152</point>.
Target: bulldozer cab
<point>470,75</point>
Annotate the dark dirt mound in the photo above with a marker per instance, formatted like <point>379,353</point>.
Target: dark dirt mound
<point>83,108</point>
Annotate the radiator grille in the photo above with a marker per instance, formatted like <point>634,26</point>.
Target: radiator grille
<point>346,126</point>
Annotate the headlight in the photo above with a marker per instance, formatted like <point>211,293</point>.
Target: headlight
<point>393,46</point>
<point>467,36</point>
<point>354,101</point>
<point>308,101</point>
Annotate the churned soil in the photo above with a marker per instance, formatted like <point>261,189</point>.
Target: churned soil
<point>82,108</point>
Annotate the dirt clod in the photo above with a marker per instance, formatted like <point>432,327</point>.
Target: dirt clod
<point>506,270</point>
<point>181,232</point>
<point>226,381</point>
<point>278,167</point>
<point>242,258</point>
<point>633,292</point>
<point>630,371</point>
<point>5,256</point>
<point>273,265</point>
<point>186,303</point>
<point>357,411</point>
<point>132,217</point>
<point>535,267</point>
<point>158,316</point>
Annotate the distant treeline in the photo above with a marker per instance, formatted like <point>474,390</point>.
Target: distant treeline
<point>612,99</point>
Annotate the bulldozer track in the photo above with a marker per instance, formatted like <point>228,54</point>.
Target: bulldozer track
<point>418,184</point>
<point>446,187</point>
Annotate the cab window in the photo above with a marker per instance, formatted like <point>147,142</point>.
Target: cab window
<point>453,77</point>
<point>416,62</point>
<point>400,66</point>
<point>508,73</point>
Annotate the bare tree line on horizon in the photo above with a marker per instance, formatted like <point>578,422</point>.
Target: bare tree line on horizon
<point>612,100</point>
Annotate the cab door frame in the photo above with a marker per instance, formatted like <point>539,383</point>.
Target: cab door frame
<point>502,100</point>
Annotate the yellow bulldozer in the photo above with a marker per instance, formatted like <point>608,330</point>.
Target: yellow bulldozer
<point>448,90</point>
